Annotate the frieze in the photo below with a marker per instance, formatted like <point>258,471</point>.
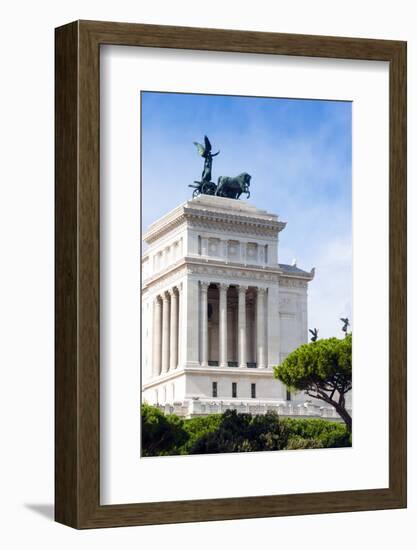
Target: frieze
<point>241,229</point>
<point>231,273</point>
<point>292,283</point>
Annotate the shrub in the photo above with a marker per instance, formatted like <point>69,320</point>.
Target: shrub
<point>198,427</point>
<point>298,442</point>
<point>233,432</point>
<point>161,434</point>
<point>242,432</point>
<point>329,434</point>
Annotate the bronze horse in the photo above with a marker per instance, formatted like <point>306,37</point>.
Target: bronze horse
<point>232,188</point>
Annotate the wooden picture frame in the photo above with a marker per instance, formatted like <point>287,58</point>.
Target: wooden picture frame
<point>77,382</point>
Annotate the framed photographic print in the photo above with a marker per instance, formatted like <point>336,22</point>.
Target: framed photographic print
<point>230,208</point>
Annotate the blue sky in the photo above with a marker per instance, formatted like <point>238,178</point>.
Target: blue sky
<point>299,155</point>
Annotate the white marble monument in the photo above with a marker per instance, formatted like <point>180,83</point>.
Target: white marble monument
<point>219,311</point>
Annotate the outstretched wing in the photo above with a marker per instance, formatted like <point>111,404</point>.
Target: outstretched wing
<point>207,144</point>
<point>200,148</point>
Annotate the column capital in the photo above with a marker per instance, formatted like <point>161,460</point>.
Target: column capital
<point>172,292</point>
<point>204,286</point>
<point>223,286</point>
<point>243,288</point>
<point>261,290</point>
<point>165,295</point>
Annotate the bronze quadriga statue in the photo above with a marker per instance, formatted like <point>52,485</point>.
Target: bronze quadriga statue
<point>231,188</point>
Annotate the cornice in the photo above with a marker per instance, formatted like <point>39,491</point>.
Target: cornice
<point>155,233</point>
<point>216,269</point>
<point>211,371</point>
<point>256,224</point>
<point>166,278</point>
<point>239,223</point>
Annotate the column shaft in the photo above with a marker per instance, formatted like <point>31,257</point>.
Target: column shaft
<point>190,314</point>
<point>273,326</point>
<point>165,333</point>
<point>204,325</point>
<point>260,328</point>
<point>157,333</point>
<point>242,345</point>
<point>173,335</point>
<point>180,324</point>
<point>223,325</point>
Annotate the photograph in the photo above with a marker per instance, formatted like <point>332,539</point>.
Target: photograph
<point>246,277</point>
<point>202,203</point>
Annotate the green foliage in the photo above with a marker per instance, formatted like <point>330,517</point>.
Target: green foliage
<point>232,432</point>
<point>241,432</point>
<point>317,363</point>
<point>297,442</point>
<point>323,369</point>
<point>198,427</point>
<point>161,434</point>
<point>327,434</point>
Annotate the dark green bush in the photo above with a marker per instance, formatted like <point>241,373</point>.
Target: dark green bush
<point>298,442</point>
<point>242,432</point>
<point>198,427</point>
<point>233,432</point>
<point>161,434</point>
<point>329,434</point>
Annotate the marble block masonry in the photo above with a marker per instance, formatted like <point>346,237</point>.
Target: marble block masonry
<point>219,311</point>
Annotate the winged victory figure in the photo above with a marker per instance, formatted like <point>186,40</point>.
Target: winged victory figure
<point>205,186</point>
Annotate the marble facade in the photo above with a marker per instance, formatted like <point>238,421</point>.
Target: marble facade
<point>219,311</point>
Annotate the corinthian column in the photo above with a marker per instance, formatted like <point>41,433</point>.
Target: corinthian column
<point>260,328</point>
<point>173,334</point>
<point>204,324</point>
<point>223,324</point>
<point>241,343</point>
<point>165,332</point>
<point>156,351</point>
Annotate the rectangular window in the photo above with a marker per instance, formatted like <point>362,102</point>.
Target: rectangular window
<point>288,395</point>
<point>253,391</point>
<point>214,389</point>
<point>234,389</point>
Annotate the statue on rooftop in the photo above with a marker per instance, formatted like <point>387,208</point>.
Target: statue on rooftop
<point>227,187</point>
<point>232,188</point>
<point>346,324</point>
<point>205,186</point>
<point>315,334</point>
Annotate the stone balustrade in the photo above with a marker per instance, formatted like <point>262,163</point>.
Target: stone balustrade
<point>201,407</point>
